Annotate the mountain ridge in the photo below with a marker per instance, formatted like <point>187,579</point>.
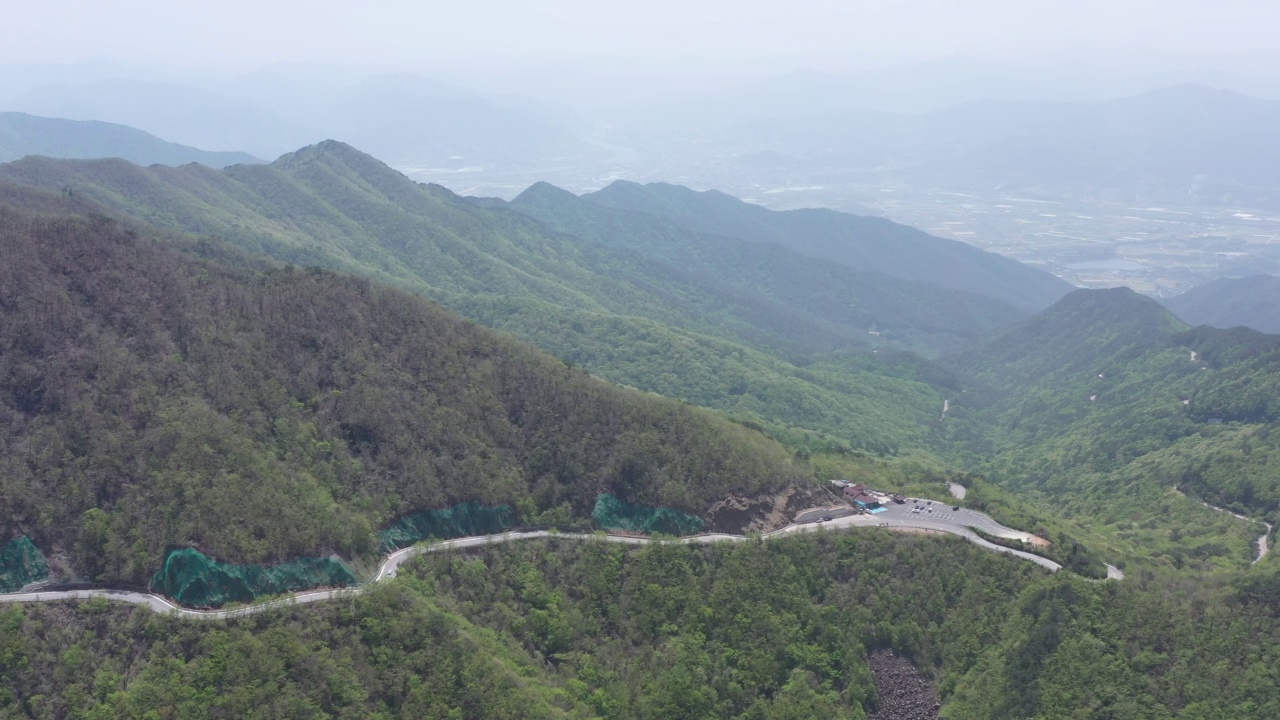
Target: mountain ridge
<point>1252,301</point>
<point>349,403</point>
<point>22,134</point>
<point>607,309</point>
<point>864,243</point>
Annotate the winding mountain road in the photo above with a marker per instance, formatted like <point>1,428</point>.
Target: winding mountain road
<point>390,566</point>
<point>1261,542</point>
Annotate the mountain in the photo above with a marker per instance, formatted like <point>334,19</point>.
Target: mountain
<point>178,112</point>
<point>159,395</point>
<point>1107,407</point>
<point>1229,302</point>
<point>404,119</point>
<point>163,390</point>
<point>22,135</point>
<point>862,243</point>
<point>851,303</point>
<point>1177,137</point>
<point>1175,144</point>
<point>1018,408</point>
<point>611,310</point>
<point>407,119</point>
<point>1071,337</point>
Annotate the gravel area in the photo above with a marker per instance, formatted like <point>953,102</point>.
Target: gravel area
<point>903,693</point>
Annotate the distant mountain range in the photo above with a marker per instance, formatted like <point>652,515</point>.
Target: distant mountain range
<point>275,364</point>
<point>403,119</point>
<point>22,135</point>
<point>263,414</point>
<point>755,328</point>
<point>769,317</point>
<point>897,305</point>
<point>863,243</point>
<point>1186,143</point>
<point>1253,302</point>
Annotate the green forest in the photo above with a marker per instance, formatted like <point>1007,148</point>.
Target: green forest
<point>781,630</point>
<point>227,385</point>
<point>154,400</point>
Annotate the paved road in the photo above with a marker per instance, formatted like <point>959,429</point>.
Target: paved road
<point>1261,542</point>
<point>933,511</point>
<point>897,517</point>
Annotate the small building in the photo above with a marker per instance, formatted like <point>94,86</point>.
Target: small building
<point>858,496</point>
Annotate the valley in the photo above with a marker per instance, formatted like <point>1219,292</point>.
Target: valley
<point>1263,542</point>
<point>640,361</point>
<point>190,410</point>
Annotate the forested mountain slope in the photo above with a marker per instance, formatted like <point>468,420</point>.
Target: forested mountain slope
<point>22,134</point>
<point>608,309</point>
<point>777,631</point>
<point>1253,302</point>
<point>864,243</point>
<point>870,305</point>
<point>1105,403</point>
<point>152,399</point>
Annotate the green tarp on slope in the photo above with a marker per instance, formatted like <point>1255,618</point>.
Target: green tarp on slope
<point>464,519</point>
<point>193,578</point>
<point>613,513</point>
<point>21,564</point>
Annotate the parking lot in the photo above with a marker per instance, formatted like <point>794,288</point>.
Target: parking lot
<point>918,510</point>
<point>922,514</point>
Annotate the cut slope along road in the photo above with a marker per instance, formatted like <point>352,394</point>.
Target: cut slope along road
<point>391,565</point>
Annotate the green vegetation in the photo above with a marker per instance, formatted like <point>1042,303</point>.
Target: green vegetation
<point>863,243</point>
<point>838,302</point>
<point>21,563</point>
<point>22,134</point>
<point>153,400</point>
<point>460,520</point>
<point>613,513</point>
<point>759,339</point>
<point>194,579</point>
<point>1100,407</point>
<point>161,391</point>
<point>594,630</point>
<point>390,653</point>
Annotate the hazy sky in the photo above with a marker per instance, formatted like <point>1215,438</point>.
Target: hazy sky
<point>708,34</point>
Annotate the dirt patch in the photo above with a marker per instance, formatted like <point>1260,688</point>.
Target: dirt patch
<point>902,693</point>
<point>736,514</point>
